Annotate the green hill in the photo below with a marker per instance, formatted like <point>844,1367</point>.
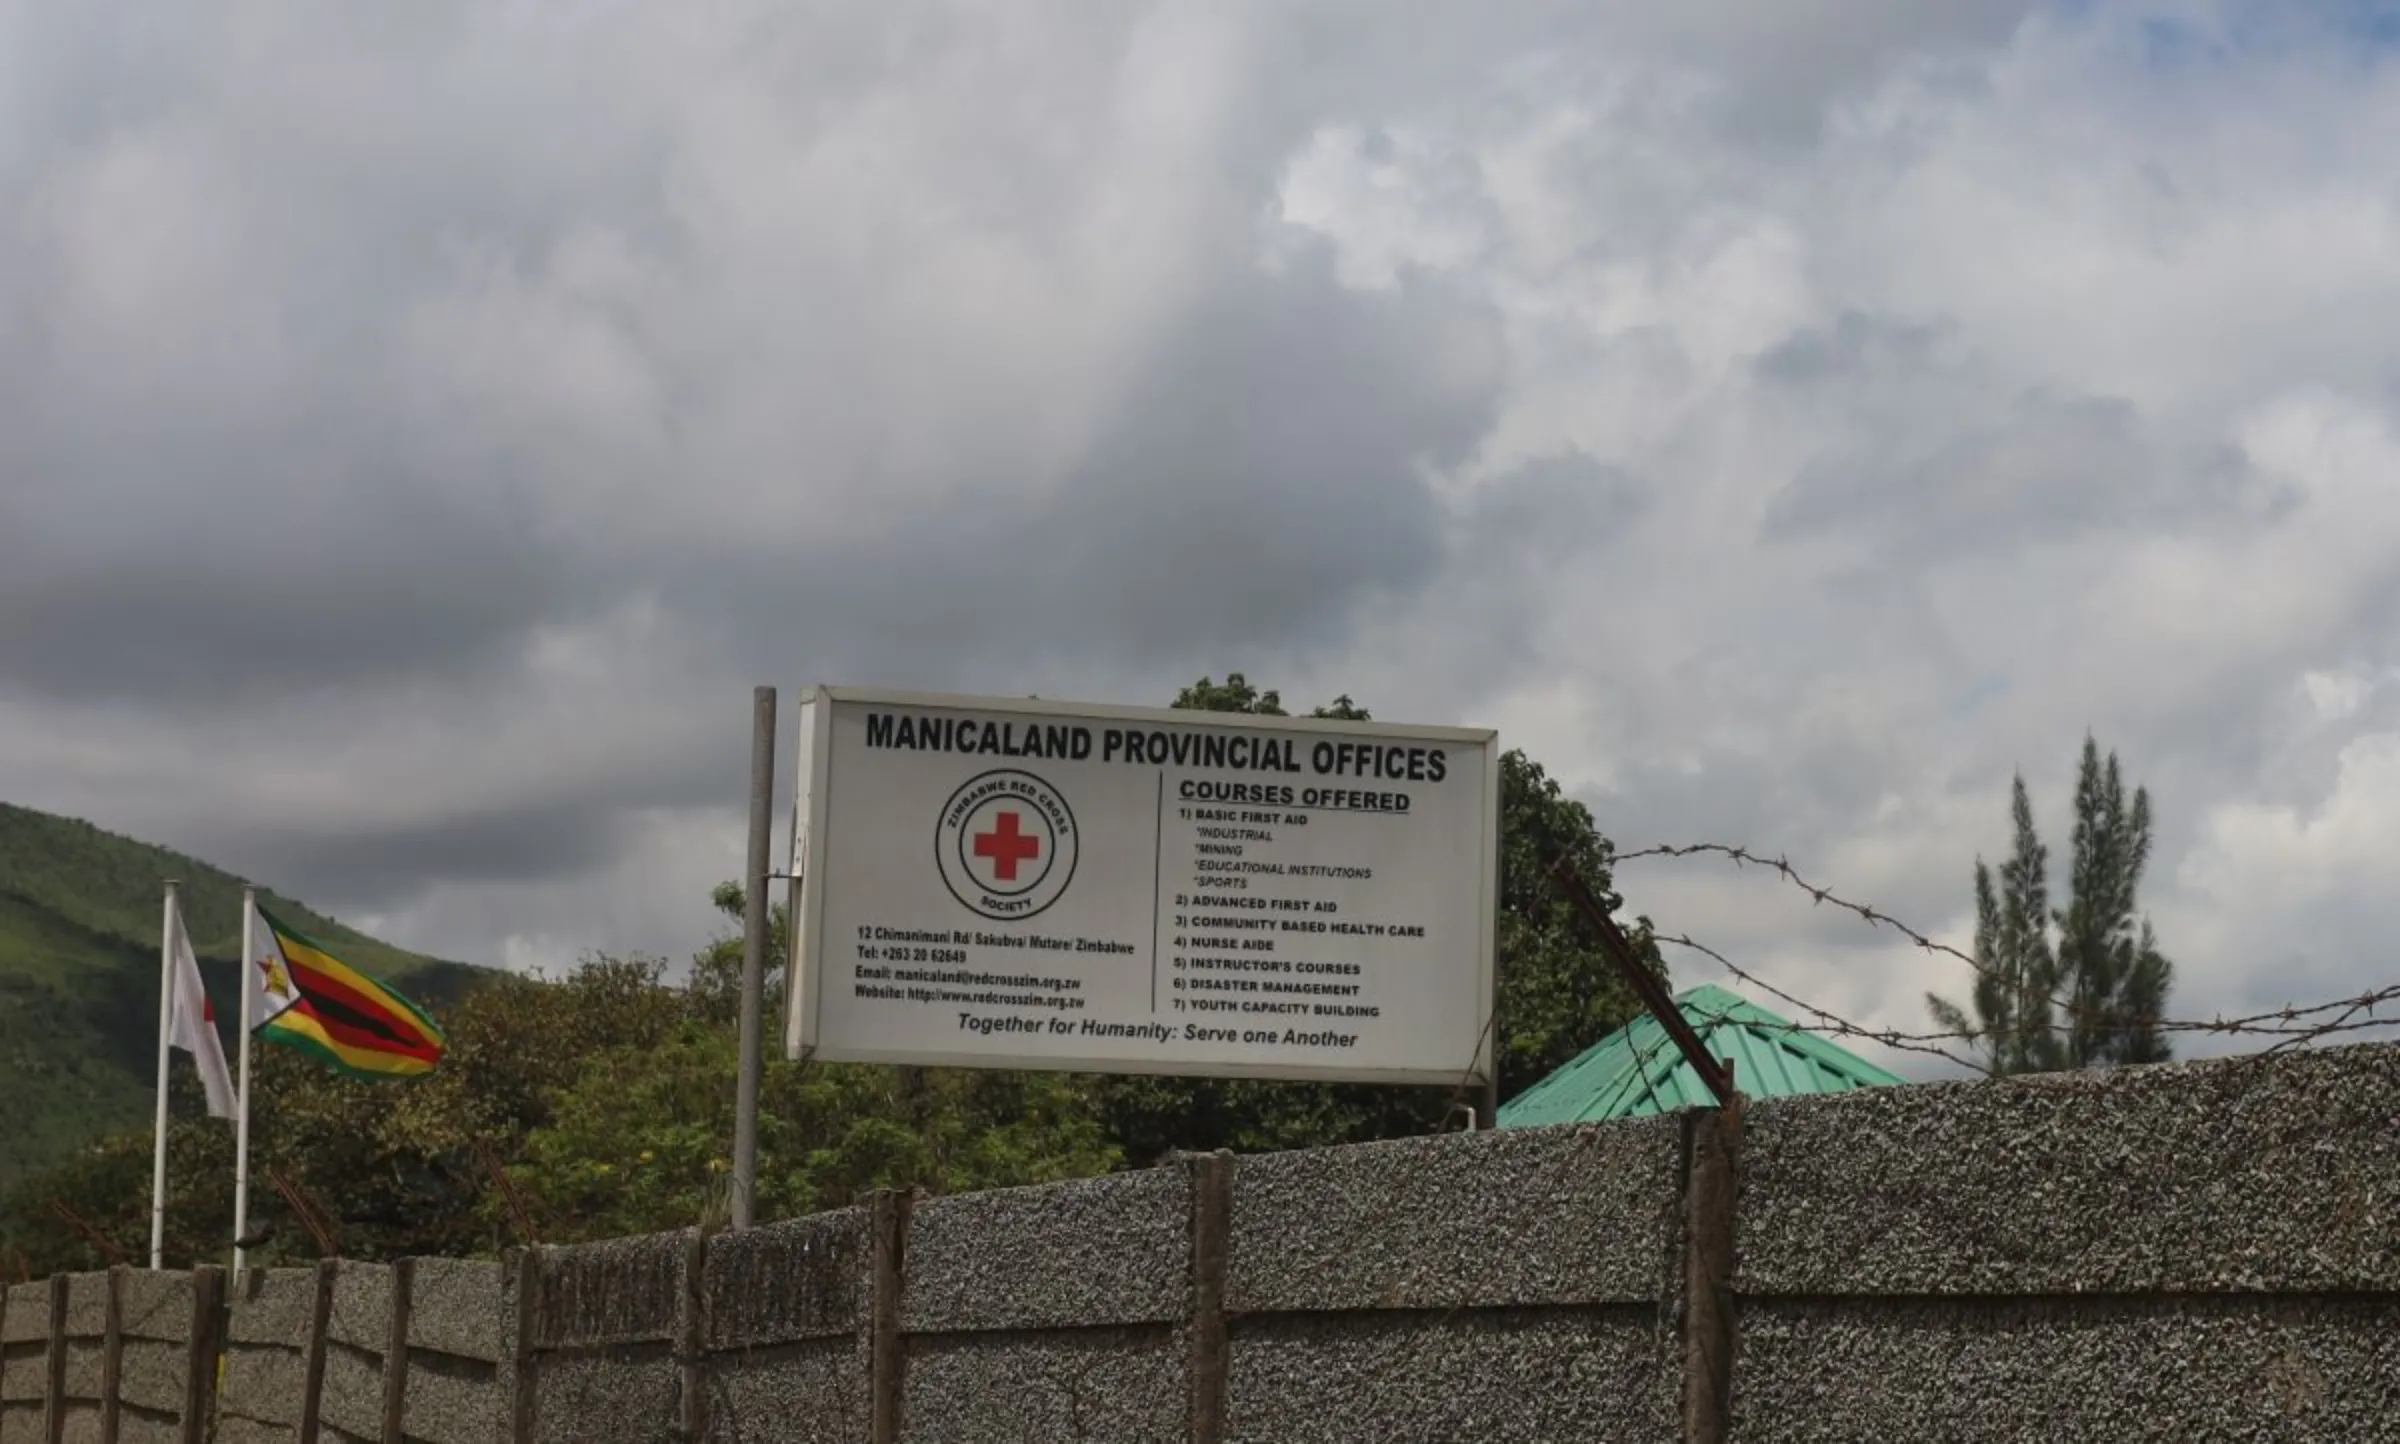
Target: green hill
<point>79,940</point>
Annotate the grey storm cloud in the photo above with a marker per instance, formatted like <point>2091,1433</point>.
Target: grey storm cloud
<point>1260,479</point>
<point>243,602</point>
<point>382,869</point>
<point>1945,457</point>
<point>2042,467</point>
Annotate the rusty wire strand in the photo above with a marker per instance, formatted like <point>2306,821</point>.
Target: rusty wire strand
<point>2288,1023</point>
<point>1828,1022</point>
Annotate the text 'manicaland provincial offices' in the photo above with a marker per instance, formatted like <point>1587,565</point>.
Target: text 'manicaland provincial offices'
<point>992,882</point>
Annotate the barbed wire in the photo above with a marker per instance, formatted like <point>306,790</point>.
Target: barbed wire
<point>2278,1023</point>
<point>2288,1023</point>
<point>1828,1022</point>
<point>2348,1022</point>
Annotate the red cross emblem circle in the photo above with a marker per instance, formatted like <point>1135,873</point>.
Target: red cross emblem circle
<point>1006,844</point>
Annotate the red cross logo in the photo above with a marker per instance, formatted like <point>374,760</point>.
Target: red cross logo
<point>1006,847</point>
<point>1006,844</point>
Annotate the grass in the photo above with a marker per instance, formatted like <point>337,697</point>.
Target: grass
<point>79,941</point>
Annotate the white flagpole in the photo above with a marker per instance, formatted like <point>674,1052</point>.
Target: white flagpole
<point>241,1117</point>
<point>166,1024</point>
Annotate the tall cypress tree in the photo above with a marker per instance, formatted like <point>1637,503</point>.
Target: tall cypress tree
<point>2014,1025</point>
<point>1995,996</point>
<point>2108,955</point>
<point>2143,1004</point>
<point>2106,967</point>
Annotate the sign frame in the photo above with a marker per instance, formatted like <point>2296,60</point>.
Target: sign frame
<point>804,986</point>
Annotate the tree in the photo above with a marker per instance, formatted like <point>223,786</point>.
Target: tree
<point>1558,992</point>
<point>393,1166</point>
<point>2017,972</point>
<point>641,1140</point>
<point>2115,976</point>
<point>715,987</point>
<point>92,1208</point>
<point>2105,969</point>
<point>606,1100</point>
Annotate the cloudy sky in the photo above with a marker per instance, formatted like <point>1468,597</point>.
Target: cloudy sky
<point>421,425</point>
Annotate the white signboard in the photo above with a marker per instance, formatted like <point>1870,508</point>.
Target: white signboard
<point>997,883</point>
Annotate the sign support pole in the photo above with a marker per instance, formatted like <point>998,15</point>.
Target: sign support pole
<point>1491,1074</point>
<point>241,1125</point>
<point>754,953</point>
<point>166,1026</point>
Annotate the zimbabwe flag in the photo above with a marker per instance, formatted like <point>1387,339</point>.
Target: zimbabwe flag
<point>304,997</point>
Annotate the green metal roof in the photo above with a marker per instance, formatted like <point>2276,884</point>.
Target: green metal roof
<point>1637,1071</point>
